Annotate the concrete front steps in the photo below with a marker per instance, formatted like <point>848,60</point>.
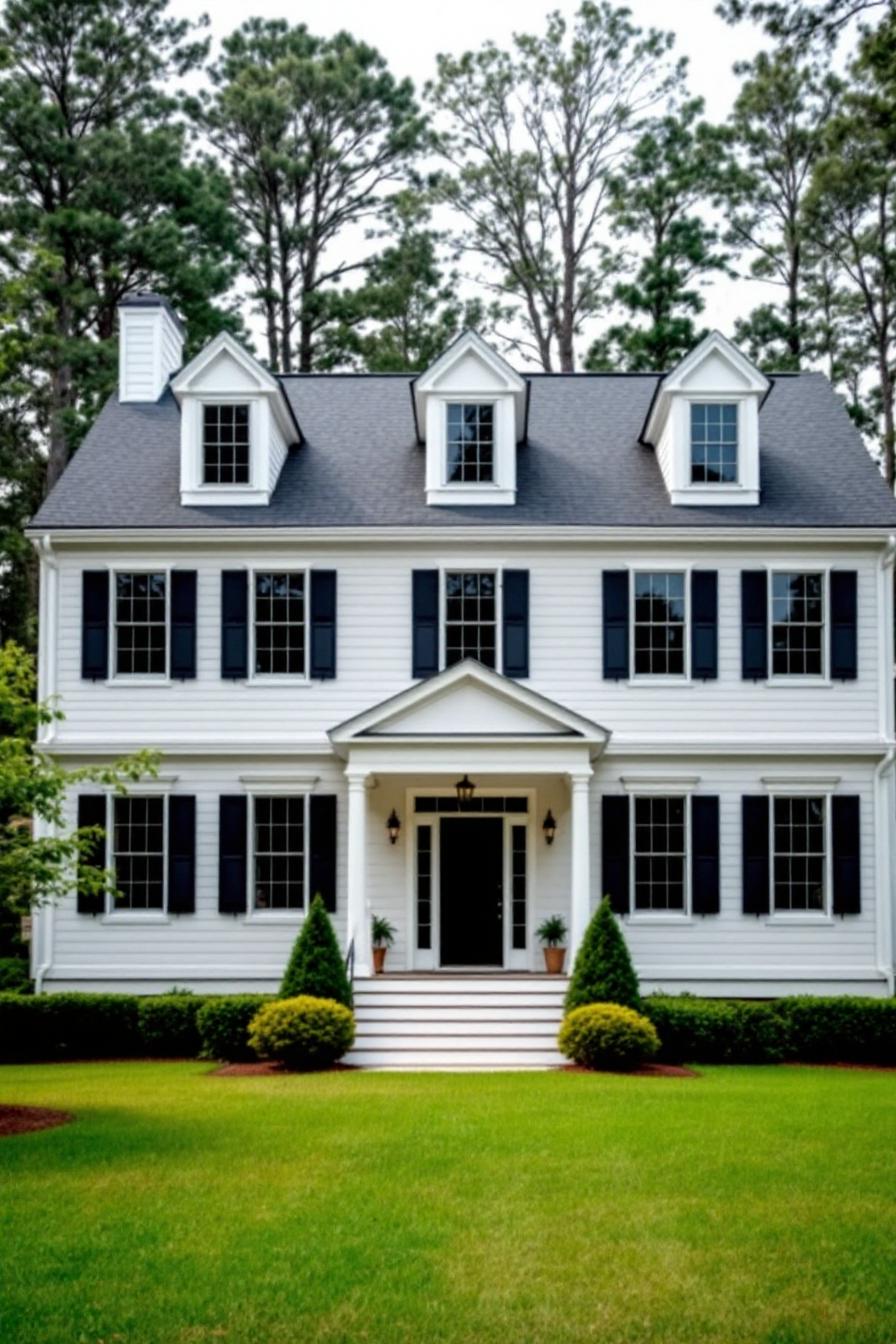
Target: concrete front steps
<point>457,1021</point>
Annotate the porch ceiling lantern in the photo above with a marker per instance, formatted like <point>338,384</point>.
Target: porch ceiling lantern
<point>549,826</point>
<point>393,826</point>
<point>465,789</point>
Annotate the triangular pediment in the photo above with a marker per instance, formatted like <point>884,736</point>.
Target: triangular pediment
<point>224,366</point>
<point>468,701</point>
<point>714,368</point>
<point>471,368</point>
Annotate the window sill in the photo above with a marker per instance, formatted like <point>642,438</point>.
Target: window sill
<point>798,683</point>
<point>136,917</point>
<point>138,680</point>
<point>658,919</point>
<point>274,917</point>
<point>661,679</point>
<point>277,679</point>
<point>800,921</point>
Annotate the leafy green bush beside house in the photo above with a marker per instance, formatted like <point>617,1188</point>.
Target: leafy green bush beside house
<point>607,1036</point>
<point>603,970</point>
<point>223,1025</point>
<point>303,1032</point>
<point>316,966</point>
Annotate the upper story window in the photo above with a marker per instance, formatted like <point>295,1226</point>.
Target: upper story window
<point>799,853</point>
<point>713,443</point>
<point>225,444</point>
<point>660,853</point>
<point>797,630</point>
<point>471,617</point>
<point>470,442</point>
<point>279,853</point>
<point>659,624</point>
<point>279,623</point>
<point>138,852</point>
<point>141,624</point>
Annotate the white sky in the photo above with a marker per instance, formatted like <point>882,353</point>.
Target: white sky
<point>409,35</point>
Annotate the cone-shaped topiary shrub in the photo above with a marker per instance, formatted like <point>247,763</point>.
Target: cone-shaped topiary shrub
<point>607,1036</point>
<point>303,1033</point>
<point>603,972</point>
<point>316,966</point>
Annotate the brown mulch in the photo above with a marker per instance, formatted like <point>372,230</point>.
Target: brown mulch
<point>645,1071</point>
<point>266,1067</point>
<point>25,1119</point>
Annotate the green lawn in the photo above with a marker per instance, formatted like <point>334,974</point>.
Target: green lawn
<point>748,1205</point>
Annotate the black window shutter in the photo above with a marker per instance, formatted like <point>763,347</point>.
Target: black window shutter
<point>181,854</point>
<point>705,854</point>
<point>844,635</point>
<point>755,856</point>
<point>615,851</point>
<point>232,842</point>
<point>846,850</point>
<point>95,624</point>
<point>754,624</point>
<point>323,623</point>
<point>704,624</point>
<point>322,859</point>
<point>615,591</point>
<point>183,624</point>
<point>234,623</point>
<point>92,812</point>
<point>516,622</point>
<point>425,607</point>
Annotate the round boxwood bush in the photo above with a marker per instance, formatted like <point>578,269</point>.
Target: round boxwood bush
<point>304,1032</point>
<point>607,1036</point>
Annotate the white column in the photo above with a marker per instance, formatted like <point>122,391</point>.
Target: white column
<point>358,919</point>
<point>580,850</point>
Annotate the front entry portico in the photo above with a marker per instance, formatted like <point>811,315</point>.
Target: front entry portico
<point>470,871</point>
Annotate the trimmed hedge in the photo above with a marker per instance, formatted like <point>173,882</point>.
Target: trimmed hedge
<point>845,1027</point>
<point>223,1024</point>
<point>167,1025</point>
<point>68,1026</point>
<point>607,1036</point>
<point>303,1032</point>
<point>716,1031</point>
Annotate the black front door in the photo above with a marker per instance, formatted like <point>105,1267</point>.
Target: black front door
<point>471,895</point>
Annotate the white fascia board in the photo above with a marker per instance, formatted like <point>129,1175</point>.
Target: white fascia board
<point>191,373</point>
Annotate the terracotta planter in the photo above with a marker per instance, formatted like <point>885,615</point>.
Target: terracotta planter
<point>553,960</point>
<point>379,957</point>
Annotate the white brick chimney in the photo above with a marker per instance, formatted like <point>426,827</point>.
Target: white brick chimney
<point>150,346</point>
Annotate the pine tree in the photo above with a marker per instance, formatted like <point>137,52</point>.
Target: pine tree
<point>316,966</point>
<point>603,972</point>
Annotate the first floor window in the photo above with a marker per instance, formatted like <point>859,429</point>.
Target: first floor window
<point>471,619</point>
<point>280,623</point>
<point>470,439</point>
<point>279,853</point>
<point>659,624</point>
<point>799,853</point>
<point>141,624</point>
<point>660,853</point>
<point>225,445</point>
<point>797,624</point>
<point>138,852</point>
<point>713,443</point>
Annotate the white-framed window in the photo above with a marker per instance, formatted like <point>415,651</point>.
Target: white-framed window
<point>659,623</point>
<point>660,854</point>
<point>279,623</point>
<point>139,827</point>
<point>471,616</point>
<point>799,853</point>
<point>469,442</point>
<point>140,622</point>
<point>225,443</point>
<point>279,867</point>
<point>713,442</point>
<point>797,600</point>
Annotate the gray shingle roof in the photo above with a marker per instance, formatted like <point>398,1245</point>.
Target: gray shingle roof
<point>361,466</point>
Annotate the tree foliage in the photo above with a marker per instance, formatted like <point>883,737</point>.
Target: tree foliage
<point>315,965</point>
<point>603,971</point>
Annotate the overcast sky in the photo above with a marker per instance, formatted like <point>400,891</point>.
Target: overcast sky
<point>409,35</point>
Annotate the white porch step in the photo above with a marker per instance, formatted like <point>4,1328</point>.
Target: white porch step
<point>457,1022</point>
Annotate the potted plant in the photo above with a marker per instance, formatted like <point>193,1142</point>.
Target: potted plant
<point>383,938</point>
<point>552,932</point>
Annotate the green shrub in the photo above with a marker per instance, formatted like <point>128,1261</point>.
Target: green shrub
<point>303,1032</point>
<point>223,1025</point>
<point>603,970</point>
<point>316,967</point>
<point>716,1031</point>
<point>607,1036</point>
<point>68,1026</point>
<point>15,976</point>
<point>167,1025</point>
<point>22,1029</point>
<point>843,1027</point>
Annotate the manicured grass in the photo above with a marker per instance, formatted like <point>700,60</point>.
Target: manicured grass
<point>748,1205</point>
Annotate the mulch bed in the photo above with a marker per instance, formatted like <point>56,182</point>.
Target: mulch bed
<point>645,1071</point>
<point>25,1119</point>
<point>266,1067</point>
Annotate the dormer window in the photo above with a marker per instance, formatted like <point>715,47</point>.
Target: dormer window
<point>225,444</point>
<point>713,442</point>
<point>470,442</point>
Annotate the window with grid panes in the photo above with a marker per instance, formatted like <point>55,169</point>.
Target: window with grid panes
<point>225,445</point>
<point>141,624</point>
<point>799,853</point>
<point>279,853</point>
<point>280,623</point>
<point>471,621</point>
<point>713,443</point>
<point>660,853</point>
<point>797,624</point>
<point>138,852</point>
<point>659,624</point>
<point>470,441</point>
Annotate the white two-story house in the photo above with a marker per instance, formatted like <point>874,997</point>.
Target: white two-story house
<point>470,648</point>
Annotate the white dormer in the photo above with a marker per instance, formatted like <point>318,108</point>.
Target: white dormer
<point>471,411</point>
<point>704,426</point>
<point>236,427</point>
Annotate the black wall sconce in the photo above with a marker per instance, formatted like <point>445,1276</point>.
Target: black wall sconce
<point>549,826</point>
<point>393,826</point>
<point>465,789</point>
